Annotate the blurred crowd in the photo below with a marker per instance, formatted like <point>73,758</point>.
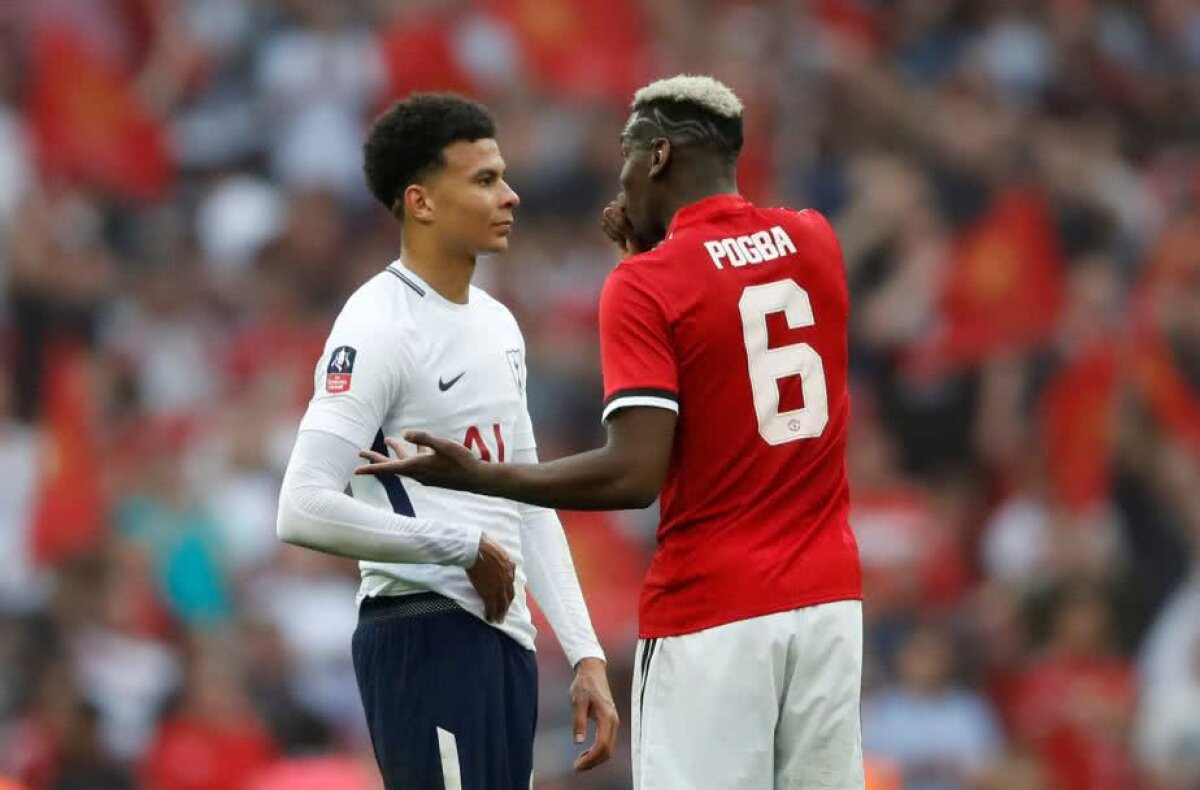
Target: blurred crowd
<point>1016,184</point>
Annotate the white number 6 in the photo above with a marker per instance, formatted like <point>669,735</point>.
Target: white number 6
<point>768,365</point>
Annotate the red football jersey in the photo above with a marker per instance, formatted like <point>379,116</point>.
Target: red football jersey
<point>737,321</point>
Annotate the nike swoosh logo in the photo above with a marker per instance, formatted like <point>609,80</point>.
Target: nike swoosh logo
<point>445,385</point>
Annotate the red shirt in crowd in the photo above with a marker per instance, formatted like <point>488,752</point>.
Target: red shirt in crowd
<point>1076,712</point>
<point>190,753</point>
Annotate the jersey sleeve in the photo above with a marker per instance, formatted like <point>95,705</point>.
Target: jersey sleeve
<point>357,379</point>
<point>825,237</point>
<point>636,351</point>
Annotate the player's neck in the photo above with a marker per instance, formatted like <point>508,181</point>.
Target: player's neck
<point>449,275</point>
<point>687,194</point>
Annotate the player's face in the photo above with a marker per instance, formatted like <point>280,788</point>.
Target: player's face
<point>640,189</point>
<point>474,205</point>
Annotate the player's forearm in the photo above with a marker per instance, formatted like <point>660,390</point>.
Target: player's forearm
<point>334,523</point>
<point>554,584</point>
<point>315,513</point>
<point>595,480</point>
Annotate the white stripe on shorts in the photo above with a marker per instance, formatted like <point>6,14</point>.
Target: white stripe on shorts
<point>448,746</point>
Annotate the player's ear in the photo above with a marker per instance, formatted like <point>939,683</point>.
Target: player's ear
<point>660,156</point>
<point>418,203</point>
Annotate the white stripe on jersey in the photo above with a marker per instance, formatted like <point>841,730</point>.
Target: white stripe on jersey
<point>638,400</point>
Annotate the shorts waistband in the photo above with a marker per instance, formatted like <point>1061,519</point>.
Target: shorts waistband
<point>398,607</point>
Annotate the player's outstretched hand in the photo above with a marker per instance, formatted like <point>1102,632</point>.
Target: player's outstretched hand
<point>437,462</point>
<point>591,698</point>
<point>492,577</point>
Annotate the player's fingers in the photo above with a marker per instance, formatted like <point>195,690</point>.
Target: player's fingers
<point>372,456</point>
<point>433,443</point>
<point>613,228</point>
<point>580,705</point>
<point>419,438</point>
<point>613,219</point>
<point>490,605</point>
<point>602,746</point>
<point>396,446</point>
<point>607,724</point>
<point>595,755</point>
<point>385,467</point>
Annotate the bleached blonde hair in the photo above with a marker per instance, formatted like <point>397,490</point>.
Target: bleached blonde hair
<point>703,91</point>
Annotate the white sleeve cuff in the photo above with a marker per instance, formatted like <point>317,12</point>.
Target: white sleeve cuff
<point>654,398</point>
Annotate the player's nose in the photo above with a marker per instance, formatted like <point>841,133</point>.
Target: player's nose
<point>510,198</point>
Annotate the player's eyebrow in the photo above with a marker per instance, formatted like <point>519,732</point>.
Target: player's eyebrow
<point>496,172</point>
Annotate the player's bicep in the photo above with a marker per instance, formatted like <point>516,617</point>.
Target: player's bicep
<point>636,348</point>
<point>642,438</point>
<point>355,384</point>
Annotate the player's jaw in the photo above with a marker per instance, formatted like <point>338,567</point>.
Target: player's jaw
<point>480,232</point>
<point>490,236</point>
<point>500,230</point>
<point>637,188</point>
<point>647,231</point>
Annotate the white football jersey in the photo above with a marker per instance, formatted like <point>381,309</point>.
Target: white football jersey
<point>400,356</point>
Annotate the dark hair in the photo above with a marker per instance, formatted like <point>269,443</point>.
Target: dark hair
<point>686,123</point>
<point>406,141</point>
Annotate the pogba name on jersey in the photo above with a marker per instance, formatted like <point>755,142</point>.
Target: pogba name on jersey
<point>760,247</point>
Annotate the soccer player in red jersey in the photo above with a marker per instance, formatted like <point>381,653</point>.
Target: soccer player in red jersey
<point>723,341</point>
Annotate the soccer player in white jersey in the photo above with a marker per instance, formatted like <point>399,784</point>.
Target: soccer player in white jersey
<point>443,651</point>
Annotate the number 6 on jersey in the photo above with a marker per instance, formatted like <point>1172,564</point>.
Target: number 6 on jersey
<point>768,365</point>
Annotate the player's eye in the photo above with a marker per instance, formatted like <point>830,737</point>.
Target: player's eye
<point>486,179</point>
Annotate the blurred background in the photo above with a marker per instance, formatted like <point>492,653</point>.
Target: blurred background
<point>1016,185</point>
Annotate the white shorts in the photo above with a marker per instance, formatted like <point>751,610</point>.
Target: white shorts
<point>770,702</point>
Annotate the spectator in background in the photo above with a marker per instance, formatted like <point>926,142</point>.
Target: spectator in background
<point>56,743</point>
<point>176,534</point>
<point>941,735</point>
<point>317,79</point>
<point>322,677</point>
<point>121,661</point>
<point>213,739</point>
<point>1075,703</point>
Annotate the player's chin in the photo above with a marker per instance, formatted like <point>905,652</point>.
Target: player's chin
<point>497,243</point>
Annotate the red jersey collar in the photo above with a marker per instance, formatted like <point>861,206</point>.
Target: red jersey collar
<point>703,210</point>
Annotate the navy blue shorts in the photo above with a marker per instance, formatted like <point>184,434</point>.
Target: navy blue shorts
<point>451,702</point>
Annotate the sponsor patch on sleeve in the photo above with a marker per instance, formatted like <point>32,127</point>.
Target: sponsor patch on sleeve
<point>340,369</point>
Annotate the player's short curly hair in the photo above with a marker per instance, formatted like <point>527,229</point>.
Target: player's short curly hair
<point>406,141</point>
<point>689,110</point>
